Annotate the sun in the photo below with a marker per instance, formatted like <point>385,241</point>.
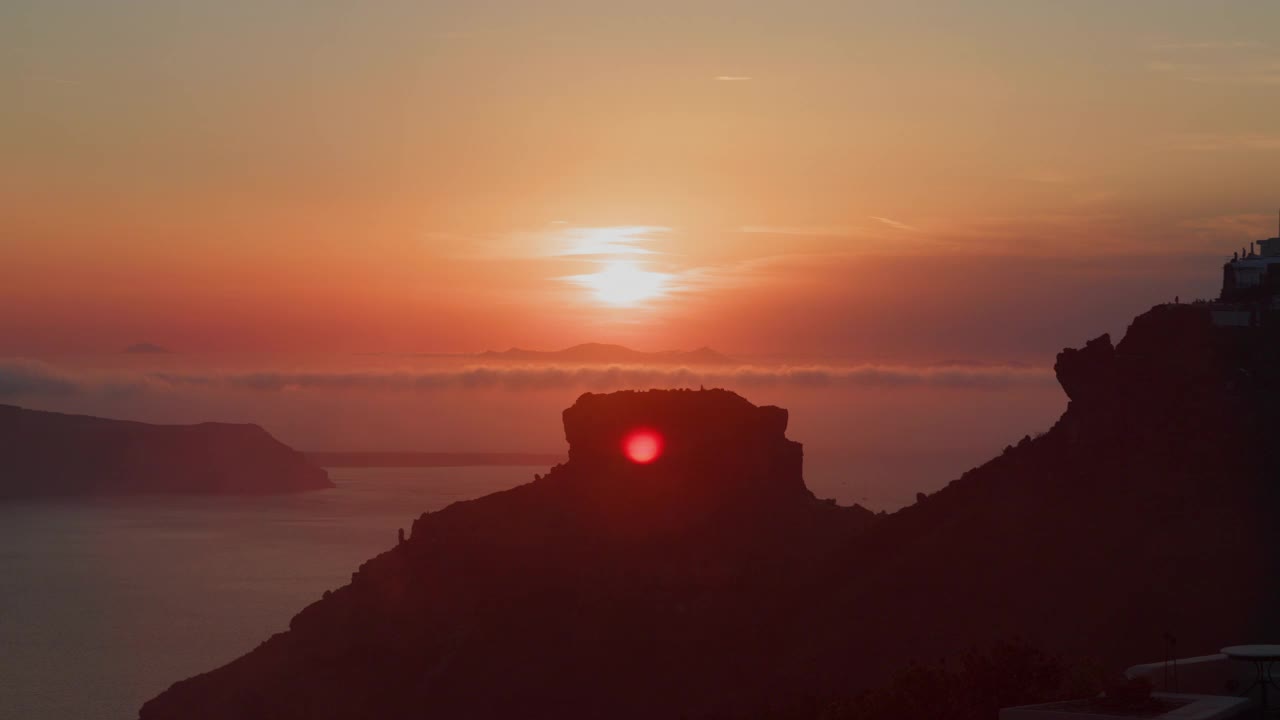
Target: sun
<point>642,446</point>
<point>624,282</point>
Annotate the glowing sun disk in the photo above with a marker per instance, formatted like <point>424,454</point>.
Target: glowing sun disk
<point>642,446</point>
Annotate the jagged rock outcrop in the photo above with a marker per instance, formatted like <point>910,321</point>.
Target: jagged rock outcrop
<point>1174,372</point>
<point>1088,375</point>
<point>44,454</point>
<point>719,450</point>
<point>709,583</point>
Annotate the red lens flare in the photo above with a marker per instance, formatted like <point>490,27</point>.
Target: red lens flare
<point>642,446</point>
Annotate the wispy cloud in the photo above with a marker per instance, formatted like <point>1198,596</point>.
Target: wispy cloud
<point>1047,177</point>
<point>1217,142</point>
<point>895,224</point>
<point>800,230</point>
<point>828,230</point>
<point>618,240</point>
<point>1232,227</point>
<point>558,239</point>
<point>26,379</point>
<point>20,377</point>
<point>1207,45</point>
<point>1245,69</point>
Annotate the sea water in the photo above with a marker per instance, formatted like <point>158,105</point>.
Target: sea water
<point>106,602</point>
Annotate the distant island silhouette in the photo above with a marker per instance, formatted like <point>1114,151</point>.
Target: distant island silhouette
<point>48,454</point>
<point>336,458</point>
<point>709,582</point>
<point>596,353</point>
<point>146,348</point>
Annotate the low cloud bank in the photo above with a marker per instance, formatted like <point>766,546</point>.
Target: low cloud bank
<point>25,378</point>
<point>28,377</point>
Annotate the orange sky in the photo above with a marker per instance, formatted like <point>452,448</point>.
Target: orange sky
<point>880,180</point>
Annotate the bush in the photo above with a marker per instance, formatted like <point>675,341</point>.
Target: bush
<point>973,686</point>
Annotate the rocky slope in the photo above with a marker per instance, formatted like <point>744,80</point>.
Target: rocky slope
<point>1150,507</point>
<point>711,583</point>
<point>604,589</point>
<point>46,454</point>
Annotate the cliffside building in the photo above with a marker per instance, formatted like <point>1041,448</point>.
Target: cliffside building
<point>1254,273</point>
<point>1250,285</point>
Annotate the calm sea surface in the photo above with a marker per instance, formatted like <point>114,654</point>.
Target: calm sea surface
<point>105,603</point>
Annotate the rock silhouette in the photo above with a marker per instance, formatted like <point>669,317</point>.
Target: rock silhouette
<point>711,583</point>
<point>565,595</point>
<point>51,454</point>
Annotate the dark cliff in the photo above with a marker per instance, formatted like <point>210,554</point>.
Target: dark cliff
<point>603,589</point>
<point>1149,508</point>
<point>711,583</point>
<point>45,454</point>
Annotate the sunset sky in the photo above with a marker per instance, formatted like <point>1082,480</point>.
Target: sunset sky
<point>902,181</point>
<point>752,263</point>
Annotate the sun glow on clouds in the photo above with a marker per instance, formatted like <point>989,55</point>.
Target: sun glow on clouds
<point>623,283</point>
<point>619,240</point>
<point>622,274</point>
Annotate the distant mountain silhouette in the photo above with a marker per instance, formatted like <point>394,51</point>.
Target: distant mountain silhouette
<point>594,353</point>
<point>46,454</point>
<point>711,583</point>
<point>429,459</point>
<point>147,349</point>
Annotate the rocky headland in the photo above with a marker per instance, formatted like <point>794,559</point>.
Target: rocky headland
<point>47,454</point>
<point>711,583</point>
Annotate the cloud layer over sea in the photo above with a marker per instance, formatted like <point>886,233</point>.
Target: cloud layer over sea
<point>21,378</point>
